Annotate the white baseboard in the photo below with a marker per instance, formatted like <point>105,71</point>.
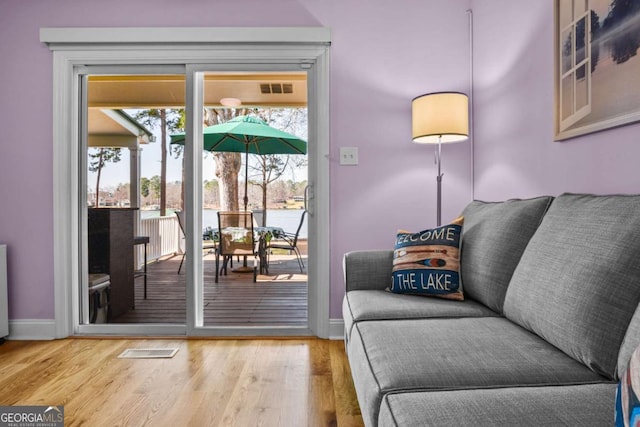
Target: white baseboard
<point>28,329</point>
<point>336,329</point>
<point>32,329</point>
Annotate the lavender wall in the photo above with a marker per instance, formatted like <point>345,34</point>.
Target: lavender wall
<point>515,152</point>
<point>383,54</point>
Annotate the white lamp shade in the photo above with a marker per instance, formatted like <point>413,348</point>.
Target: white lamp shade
<point>440,117</point>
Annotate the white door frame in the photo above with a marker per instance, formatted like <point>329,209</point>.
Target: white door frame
<point>76,47</point>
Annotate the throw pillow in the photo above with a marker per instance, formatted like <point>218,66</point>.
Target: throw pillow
<point>627,397</point>
<point>428,262</point>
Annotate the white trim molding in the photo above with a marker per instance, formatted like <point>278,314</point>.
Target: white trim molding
<point>32,329</point>
<point>76,49</point>
<point>189,35</point>
<point>336,328</point>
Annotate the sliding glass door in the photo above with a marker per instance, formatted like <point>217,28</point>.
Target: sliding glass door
<point>130,190</point>
<point>155,176</point>
<point>254,280</point>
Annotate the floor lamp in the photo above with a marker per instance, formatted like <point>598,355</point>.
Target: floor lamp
<point>440,118</point>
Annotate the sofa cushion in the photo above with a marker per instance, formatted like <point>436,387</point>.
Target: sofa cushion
<point>427,263</point>
<point>577,282</point>
<point>493,240</point>
<point>367,269</point>
<point>450,354</point>
<point>573,405</point>
<point>381,305</point>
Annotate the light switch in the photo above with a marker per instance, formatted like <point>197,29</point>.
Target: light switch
<point>349,156</point>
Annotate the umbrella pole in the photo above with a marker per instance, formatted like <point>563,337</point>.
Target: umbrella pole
<point>245,268</point>
<point>246,176</point>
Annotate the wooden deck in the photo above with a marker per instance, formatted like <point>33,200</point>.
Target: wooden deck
<point>279,299</point>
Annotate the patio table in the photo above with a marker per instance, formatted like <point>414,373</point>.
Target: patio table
<point>263,234</point>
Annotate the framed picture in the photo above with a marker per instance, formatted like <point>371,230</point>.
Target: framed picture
<point>597,65</point>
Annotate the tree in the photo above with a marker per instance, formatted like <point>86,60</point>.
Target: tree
<point>173,195</point>
<point>122,193</point>
<point>227,164</point>
<point>155,185</point>
<point>144,186</point>
<point>169,121</point>
<point>296,163</point>
<point>98,158</point>
<point>211,192</point>
<point>625,35</point>
<point>269,168</point>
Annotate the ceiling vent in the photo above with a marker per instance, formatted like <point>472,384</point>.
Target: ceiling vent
<point>273,88</point>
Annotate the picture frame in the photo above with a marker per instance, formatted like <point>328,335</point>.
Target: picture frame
<point>596,66</point>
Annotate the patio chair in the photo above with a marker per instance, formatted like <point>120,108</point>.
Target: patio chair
<point>289,242</point>
<point>208,246</point>
<point>237,238</point>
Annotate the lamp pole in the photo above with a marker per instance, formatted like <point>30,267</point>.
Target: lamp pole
<point>439,181</point>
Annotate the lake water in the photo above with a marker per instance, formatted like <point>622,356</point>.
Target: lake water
<point>287,219</point>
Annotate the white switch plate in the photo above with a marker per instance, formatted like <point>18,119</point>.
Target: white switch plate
<point>349,156</point>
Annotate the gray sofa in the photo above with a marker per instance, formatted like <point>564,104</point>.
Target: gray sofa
<point>548,323</point>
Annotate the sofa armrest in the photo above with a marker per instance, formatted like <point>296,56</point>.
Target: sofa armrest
<point>367,270</point>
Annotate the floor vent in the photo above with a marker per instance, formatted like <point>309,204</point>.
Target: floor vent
<point>148,353</point>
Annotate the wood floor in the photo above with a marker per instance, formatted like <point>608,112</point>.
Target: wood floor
<point>277,299</point>
<point>266,382</point>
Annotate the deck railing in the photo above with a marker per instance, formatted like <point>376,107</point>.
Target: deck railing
<point>164,237</point>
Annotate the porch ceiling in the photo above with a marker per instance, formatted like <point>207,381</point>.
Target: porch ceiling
<point>107,93</point>
<point>287,89</point>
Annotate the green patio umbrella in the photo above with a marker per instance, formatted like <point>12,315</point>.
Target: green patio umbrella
<point>245,134</point>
